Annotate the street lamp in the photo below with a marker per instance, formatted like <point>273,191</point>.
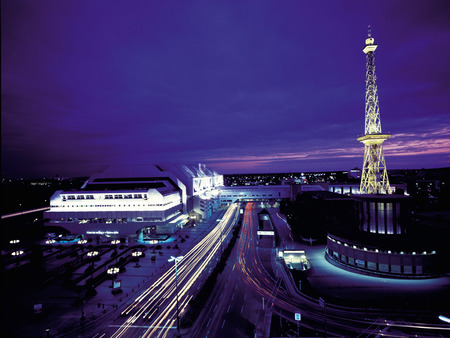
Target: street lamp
<point>113,271</point>
<point>92,255</point>
<point>136,254</point>
<point>14,241</point>
<point>114,242</point>
<point>17,253</point>
<point>176,259</point>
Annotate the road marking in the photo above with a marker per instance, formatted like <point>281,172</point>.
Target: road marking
<point>208,322</point>
<point>223,324</point>
<point>235,287</point>
<point>242,308</point>
<point>232,296</point>
<point>215,308</point>
<point>245,297</point>
<point>228,310</point>
<point>233,266</point>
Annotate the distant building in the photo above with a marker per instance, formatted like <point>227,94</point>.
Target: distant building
<point>355,173</point>
<point>354,188</point>
<point>143,201</point>
<point>229,195</point>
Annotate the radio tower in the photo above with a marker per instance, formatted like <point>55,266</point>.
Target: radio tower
<point>374,178</point>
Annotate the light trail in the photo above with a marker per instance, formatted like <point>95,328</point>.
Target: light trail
<point>285,302</point>
<point>25,212</point>
<point>162,294</point>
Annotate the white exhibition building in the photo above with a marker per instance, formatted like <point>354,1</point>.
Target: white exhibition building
<point>142,200</point>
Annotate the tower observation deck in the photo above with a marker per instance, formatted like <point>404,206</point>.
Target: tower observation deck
<point>374,178</point>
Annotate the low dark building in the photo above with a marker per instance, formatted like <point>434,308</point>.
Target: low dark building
<point>385,240</point>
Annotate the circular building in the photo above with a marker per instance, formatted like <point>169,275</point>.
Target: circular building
<point>383,240</point>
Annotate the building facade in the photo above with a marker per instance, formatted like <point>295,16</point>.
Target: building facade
<point>384,242</point>
<point>143,201</point>
<point>229,195</point>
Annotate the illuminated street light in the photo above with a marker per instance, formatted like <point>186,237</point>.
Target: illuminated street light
<point>176,259</point>
<point>136,255</point>
<point>82,241</point>
<point>115,242</point>
<point>17,253</point>
<point>92,255</point>
<point>14,241</point>
<point>113,271</point>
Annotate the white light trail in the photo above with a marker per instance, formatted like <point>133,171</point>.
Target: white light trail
<point>162,292</point>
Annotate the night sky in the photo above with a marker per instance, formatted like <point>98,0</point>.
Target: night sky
<point>242,86</point>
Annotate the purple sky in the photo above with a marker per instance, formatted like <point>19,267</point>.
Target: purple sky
<point>243,86</point>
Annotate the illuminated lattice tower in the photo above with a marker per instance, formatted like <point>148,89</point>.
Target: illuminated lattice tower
<point>374,178</point>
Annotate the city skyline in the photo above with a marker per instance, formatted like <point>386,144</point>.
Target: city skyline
<point>252,87</point>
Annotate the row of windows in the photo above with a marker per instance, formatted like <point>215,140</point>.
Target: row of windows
<point>101,205</point>
<point>389,268</point>
<point>115,196</point>
<point>381,218</point>
<point>78,197</point>
<point>109,205</point>
<point>125,196</point>
<point>363,248</point>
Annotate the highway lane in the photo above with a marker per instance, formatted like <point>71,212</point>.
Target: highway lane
<point>233,308</point>
<point>153,313</point>
<point>286,300</point>
<point>283,230</point>
<point>237,300</point>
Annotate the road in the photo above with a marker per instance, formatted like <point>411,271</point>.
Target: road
<point>233,307</point>
<point>236,306</point>
<point>154,312</point>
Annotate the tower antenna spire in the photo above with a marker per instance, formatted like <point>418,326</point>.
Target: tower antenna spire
<point>369,32</point>
<point>374,178</point>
